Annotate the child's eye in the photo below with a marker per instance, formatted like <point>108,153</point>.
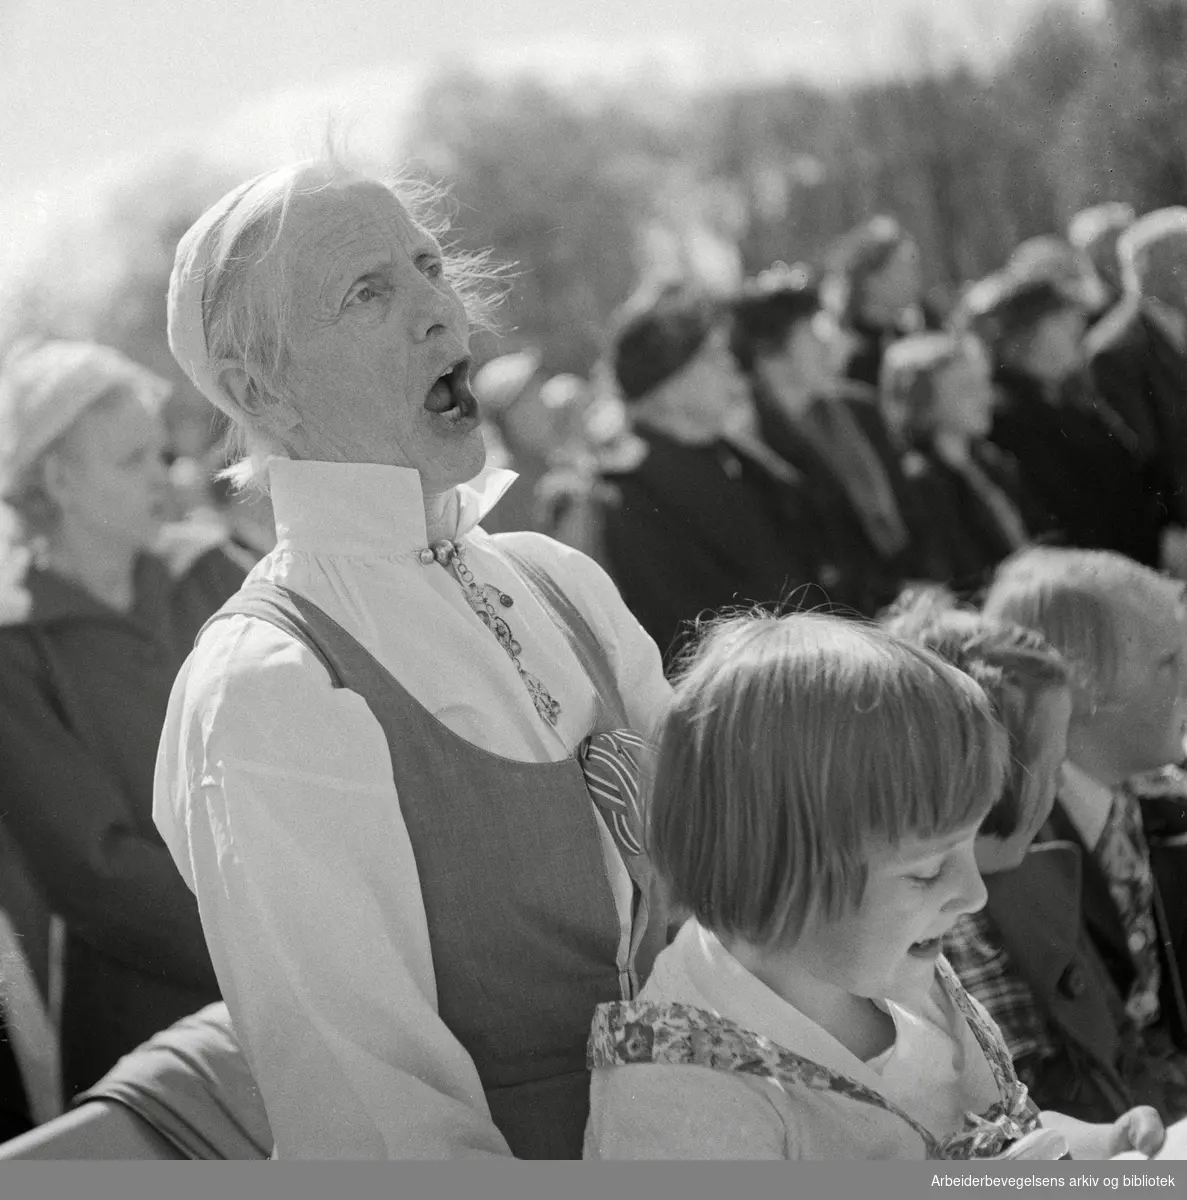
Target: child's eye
<point>926,880</point>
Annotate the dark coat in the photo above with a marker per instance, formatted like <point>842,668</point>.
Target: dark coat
<point>850,567</point>
<point>83,701</point>
<point>689,530</point>
<point>1143,377</point>
<point>1036,911</point>
<point>959,540</point>
<point>1081,470</point>
<point>864,363</point>
<point>1165,822</point>
<point>1058,924</point>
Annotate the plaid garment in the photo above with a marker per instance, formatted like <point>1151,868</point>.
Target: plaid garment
<point>975,952</point>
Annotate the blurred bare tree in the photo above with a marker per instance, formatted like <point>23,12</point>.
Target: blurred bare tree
<point>559,191</point>
<point>1083,109</point>
<point>586,191</point>
<point>102,275</point>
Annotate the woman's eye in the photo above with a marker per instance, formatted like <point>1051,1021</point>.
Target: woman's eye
<point>362,294</point>
<point>433,268</point>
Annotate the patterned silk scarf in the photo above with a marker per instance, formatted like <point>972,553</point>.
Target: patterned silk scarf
<point>611,763</point>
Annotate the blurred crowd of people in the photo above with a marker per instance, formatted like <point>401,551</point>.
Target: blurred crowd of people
<point>827,434</point>
<point>823,438</point>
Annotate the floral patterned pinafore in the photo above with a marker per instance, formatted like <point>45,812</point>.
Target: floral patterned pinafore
<point>637,1031</point>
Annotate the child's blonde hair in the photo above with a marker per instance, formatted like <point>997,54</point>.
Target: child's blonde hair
<point>1086,604</point>
<point>1016,667</point>
<point>795,745</point>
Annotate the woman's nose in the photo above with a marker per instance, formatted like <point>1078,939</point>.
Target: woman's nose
<point>438,312</point>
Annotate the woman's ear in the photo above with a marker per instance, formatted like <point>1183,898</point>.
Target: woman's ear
<point>243,384</point>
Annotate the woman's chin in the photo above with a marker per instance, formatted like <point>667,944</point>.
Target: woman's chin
<point>464,460</point>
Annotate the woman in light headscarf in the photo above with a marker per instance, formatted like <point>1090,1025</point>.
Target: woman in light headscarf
<point>93,627</point>
<point>937,393</point>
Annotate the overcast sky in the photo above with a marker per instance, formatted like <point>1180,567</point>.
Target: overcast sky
<point>83,82</point>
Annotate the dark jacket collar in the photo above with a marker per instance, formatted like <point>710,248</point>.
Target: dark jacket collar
<point>44,596</point>
<point>1099,909</point>
<point>1041,894</point>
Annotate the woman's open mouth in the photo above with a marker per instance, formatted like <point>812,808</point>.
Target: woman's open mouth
<point>451,396</point>
<point>929,948</point>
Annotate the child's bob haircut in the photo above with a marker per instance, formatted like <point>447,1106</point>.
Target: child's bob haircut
<point>1086,603</point>
<point>1015,667</point>
<point>793,748</point>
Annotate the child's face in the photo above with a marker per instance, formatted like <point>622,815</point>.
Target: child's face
<point>1145,719</point>
<point>886,947</point>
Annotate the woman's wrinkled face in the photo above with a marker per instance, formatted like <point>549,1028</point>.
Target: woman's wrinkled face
<point>378,341</point>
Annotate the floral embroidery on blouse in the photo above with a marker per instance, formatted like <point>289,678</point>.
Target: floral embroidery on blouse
<point>643,1032</point>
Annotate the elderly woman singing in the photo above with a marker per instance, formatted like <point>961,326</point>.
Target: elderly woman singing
<point>397,769</point>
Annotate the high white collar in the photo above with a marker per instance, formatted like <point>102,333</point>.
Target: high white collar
<point>367,508</point>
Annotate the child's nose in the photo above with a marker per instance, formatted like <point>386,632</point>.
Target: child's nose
<point>969,894</point>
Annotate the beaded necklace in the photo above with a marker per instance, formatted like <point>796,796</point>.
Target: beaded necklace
<point>482,598</point>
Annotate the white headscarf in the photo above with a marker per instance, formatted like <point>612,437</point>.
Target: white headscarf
<point>201,254</point>
<point>46,388</point>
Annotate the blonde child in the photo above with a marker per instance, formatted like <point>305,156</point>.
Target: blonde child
<point>1122,801</point>
<point>1027,956</point>
<point>818,791</point>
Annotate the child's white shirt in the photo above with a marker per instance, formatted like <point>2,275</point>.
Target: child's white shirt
<point>935,1071</point>
<point>926,1072</point>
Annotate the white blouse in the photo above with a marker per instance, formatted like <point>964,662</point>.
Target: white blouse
<point>274,793</point>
